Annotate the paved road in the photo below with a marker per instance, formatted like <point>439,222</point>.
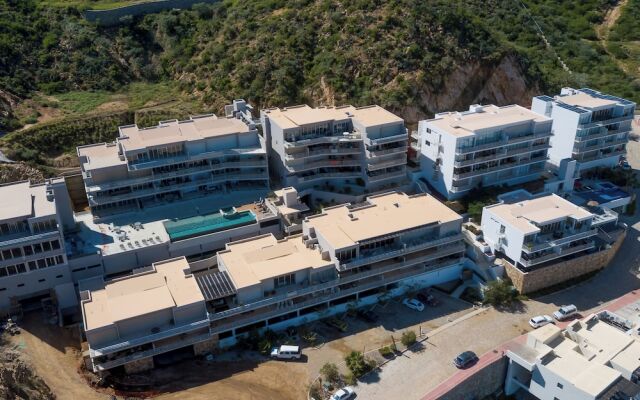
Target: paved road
<point>413,376</point>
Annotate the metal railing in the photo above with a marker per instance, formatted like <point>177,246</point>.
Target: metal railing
<point>151,352</point>
<point>496,168</point>
<point>604,132</point>
<point>554,255</point>
<point>606,121</point>
<point>558,242</point>
<point>148,338</point>
<point>387,139</point>
<point>315,139</point>
<point>23,237</point>
<point>503,142</point>
<point>415,270</point>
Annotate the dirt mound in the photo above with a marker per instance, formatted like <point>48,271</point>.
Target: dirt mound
<point>18,381</point>
<point>19,172</point>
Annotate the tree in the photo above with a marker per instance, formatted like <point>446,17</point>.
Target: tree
<point>408,338</point>
<point>357,364</point>
<point>330,373</point>
<point>499,293</point>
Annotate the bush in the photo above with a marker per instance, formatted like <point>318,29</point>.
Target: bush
<point>500,293</point>
<point>357,364</point>
<point>408,338</point>
<point>386,351</point>
<point>330,372</point>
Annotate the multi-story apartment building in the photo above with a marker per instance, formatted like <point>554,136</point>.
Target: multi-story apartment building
<point>129,320</point>
<point>357,147</point>
<point>536,231</point>
<point>596,358</point>
<point>175,160</point>
<point>485,146</point>
<point>347,253</point>
<point>32,248</point>
<point>588,126</point>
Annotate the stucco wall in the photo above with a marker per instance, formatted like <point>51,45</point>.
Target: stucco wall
<point>560,272</point>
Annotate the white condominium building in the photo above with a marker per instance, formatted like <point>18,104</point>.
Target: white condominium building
<point>595,358</point>
<point>346,254</point>
<point>175,160</point>
<point>588,126</point>
<point>339,147</point>
<point>536,231</point>
<point>32,250</point>
<point>485,146</point>
<point>129,320</point>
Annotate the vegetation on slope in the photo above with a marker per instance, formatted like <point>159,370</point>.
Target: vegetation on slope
<point>282,52</point>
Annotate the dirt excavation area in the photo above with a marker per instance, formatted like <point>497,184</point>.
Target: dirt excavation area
<point>53,354</point>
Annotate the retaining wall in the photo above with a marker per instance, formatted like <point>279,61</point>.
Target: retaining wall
<point>483,383</point>
<point>532,281</point>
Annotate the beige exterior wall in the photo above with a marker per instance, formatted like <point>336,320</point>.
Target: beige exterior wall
<point>554,274</point>
<point>208,346</point>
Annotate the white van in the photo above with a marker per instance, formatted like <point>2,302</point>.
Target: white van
<point>286,352</point>
<point>565,312</point>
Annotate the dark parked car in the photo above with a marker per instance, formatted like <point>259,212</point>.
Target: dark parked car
<point>465,359</point>
<point>367,316</point>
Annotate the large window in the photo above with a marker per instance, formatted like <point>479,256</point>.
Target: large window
<point>284,280</point>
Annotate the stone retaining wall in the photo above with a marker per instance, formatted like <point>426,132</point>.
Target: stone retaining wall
<point>529,282</point>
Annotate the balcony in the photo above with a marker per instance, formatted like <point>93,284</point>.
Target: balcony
<point>496,168</point>
<point>27,236</point>
<point>503,142</point>
<point>385,253</point>
<point>583,147</point>
<point>387,139</point>
<point>321,152</point>
<point>378,153</point>
<point>165,334</point>
<point>195,157</point>
<point>606,121</point>
<point>373,166</point>
<point>330,175</point>
<point>151,352</point>
<point>583,157</point>
<point>547,242</point>
<point>326,163</point>
<point>387,175</point>
<point>502,153</point>
<point>308,140</point>
<point>331,285</point>
<point>604,132</point>
<point>557,254</point>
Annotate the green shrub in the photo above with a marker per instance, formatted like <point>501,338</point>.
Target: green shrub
<point>358,364</point>
<point>386,351</point>
<point>330,373</point>
<point>408,338</point>
<point>500,293</point>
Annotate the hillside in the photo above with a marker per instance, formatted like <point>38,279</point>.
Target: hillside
<point>415,58</point>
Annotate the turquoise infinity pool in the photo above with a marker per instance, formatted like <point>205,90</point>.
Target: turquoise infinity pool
<point>205,224</point>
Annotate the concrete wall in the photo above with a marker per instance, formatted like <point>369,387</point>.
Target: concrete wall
<point>483,383</point>
<point>113,16</point>
<point>562,271</point>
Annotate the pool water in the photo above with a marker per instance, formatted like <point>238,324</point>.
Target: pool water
<point>205,224</point>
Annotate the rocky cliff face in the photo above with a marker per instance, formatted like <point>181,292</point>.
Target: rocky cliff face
<point>17,380</point>
<point>502,83</point>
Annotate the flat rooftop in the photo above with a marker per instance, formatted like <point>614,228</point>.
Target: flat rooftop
<point>251,261</point>
<point>104,235</point>
<point>293,117</point>
<point>25,200</point>
<point>584,100</point>
<point>101,155</point>
<point>387,213</point>
<point>168,132</point>
<point>166,285</point>
<point>469,123</point>
<point>524,215</point>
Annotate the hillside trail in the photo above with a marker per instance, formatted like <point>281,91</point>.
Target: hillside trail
<point>603,30</point>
